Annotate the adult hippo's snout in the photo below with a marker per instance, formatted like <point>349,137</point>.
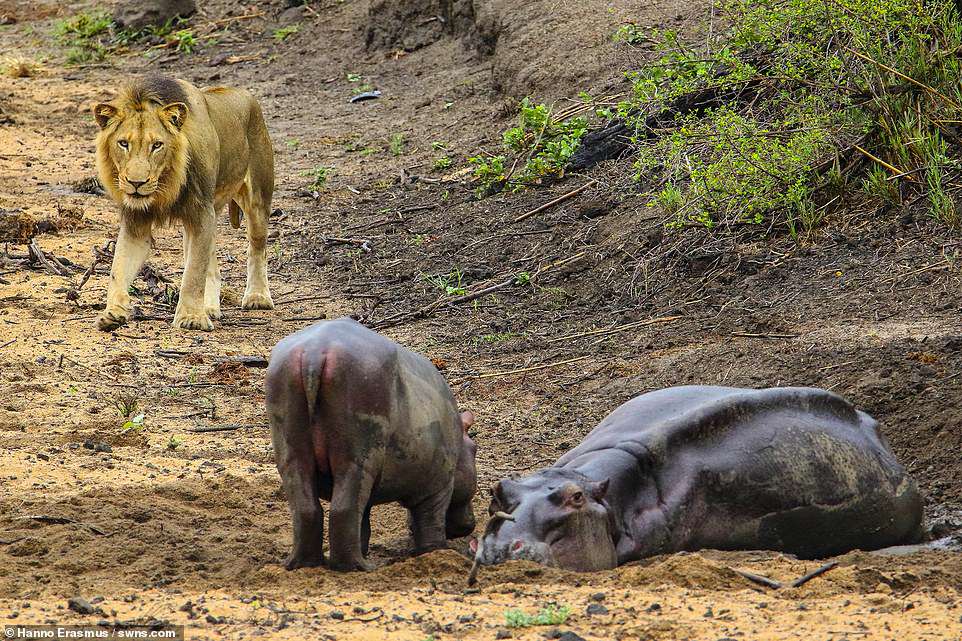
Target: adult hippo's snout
<point>556,517</point>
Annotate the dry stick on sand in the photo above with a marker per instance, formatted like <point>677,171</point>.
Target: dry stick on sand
<point>53,267</point>
<point>776,585</point>
<point>617,329</point>
<point>802,580</point>
<point>424,310</point>
<point>552,203</point>
<point>534,368</point>
<point>757,578</point>
<point>229,427</point>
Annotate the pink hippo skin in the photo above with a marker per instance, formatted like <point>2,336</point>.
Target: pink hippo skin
<point>359,420</point>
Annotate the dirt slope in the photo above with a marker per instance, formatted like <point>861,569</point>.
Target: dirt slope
<point>171,524</point>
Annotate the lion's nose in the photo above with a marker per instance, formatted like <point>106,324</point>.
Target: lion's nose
<point>137,184</point>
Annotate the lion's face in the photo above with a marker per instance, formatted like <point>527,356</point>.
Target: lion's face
<point>139,148</point>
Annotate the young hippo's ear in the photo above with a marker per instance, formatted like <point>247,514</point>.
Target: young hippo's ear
<point>599,490</point>
<point>467,420</point>
<point>473,545</point>
<point>103,113</point>
<point>175,113</point>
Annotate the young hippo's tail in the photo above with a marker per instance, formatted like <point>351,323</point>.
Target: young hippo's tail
<point>236,214</point>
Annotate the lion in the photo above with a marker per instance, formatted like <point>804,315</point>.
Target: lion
<point>170,152</point>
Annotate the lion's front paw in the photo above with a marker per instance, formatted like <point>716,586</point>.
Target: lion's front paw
<point>257,300</point>
<point>213,312</point>
<point>111,319</point>
<point>193,320</point>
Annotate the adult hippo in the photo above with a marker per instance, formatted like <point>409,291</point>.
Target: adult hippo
<point>794,469</point>
<point>359,420</point>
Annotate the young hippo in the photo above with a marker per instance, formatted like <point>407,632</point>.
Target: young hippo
<point>358,420</point>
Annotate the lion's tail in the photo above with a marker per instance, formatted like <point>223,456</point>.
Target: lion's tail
<point>235,214</point>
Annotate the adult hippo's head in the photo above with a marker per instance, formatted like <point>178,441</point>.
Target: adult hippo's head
<point>555,517</point>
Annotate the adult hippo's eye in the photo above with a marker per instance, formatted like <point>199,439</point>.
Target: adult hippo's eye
<point>123,144</point>
<point>157,145</point>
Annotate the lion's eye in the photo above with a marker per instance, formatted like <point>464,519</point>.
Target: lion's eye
<point>123,144</point>
<point>157,145</point>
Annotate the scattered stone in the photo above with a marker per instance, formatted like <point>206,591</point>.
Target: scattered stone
<point>502,634</point>
<point>570,636</point>
<point>708,613</point>
<point>596,608</point>
<point>43,457</point>
<point>80,605</point>
<point>598,596</point>
<point>138,14</point>
<point>337,615</point>
<point>210,618</point>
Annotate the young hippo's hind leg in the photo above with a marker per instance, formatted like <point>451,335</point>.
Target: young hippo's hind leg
<point>366,531</point>
<point>427,521</point>
<point>255,202</point>
<point>349,502</point>
<point>291,436</point>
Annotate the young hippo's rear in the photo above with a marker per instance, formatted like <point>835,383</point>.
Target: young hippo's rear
<point>793,469</point>
<point>359,420</point>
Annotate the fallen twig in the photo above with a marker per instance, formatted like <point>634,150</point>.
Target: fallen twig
<point>227,427</point>
<point>617,329</point>
<point>36,254</point>
<point>802,580</point>
<point>362,619</point>
<point>750,335</point>
<point>259,362</point>
<point>552,203</point>
<point>363,243</point>
<point>59,520</point>
<point>424,310</point>
<point>759,579</point>
<point>10,342</point>
<point>530,369</point>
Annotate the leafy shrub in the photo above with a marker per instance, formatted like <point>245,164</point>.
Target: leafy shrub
<point>769,121</point>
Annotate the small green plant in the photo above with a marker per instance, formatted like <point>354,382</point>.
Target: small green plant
<point>549,615</point>
<point>126,405</point>
<point>437,145</point>
<point>185,40</point>
<point>396,144</point>
<point>451,284</point>
<point>632,34</point>
<point>354,77</point>
<point>133,424</point>
<point>498,337</point>
<point>319,175</point>
<point>545,144</point>
<point>522,278</point>
<point>175,442</point>
<point>282,34</point>
<point>442,163</point>
<point>293,143</point>
<point>86,35</point>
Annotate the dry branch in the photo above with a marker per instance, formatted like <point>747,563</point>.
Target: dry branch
<point>552,203</point>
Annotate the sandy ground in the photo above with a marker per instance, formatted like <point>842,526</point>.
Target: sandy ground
<point>164,523</point>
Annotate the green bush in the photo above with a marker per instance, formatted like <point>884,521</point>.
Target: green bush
<point>767,122</point>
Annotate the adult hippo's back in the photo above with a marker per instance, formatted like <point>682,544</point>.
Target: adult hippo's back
<point>793,469</point>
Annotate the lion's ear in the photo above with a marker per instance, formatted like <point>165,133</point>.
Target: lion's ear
<point>176,113</point>
<point>103,113</point>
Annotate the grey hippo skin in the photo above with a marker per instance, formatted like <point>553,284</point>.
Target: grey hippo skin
<point>359,420</point>
<point>793,469</point>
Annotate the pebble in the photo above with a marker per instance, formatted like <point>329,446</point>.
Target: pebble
<point>596,608</point>
<point>598,596</point>
<point>80,605</point>
<point>502,634</point>
<point>654,607</point>
<point>337,615</point>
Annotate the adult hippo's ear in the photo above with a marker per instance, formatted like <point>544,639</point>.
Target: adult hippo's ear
<point>599,489</point>
<point>504,496</point>
<point>467,420</point>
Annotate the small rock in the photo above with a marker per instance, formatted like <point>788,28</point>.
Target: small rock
<point>103,447</point>
<point>138,14</point>
<point>80,605</point>
<point>708,613</point>
<point>596,608</point>
<point>210,618</point>
<point>553,633</point>
<point>337,615</point>
<point>883,588</point>
<point>598,596</point>
<point>13,615</point>
<point>570,636</point>
<point>42,456</point>
<point>502,634</point>
<point>97,599</point>
<point>654,607</point>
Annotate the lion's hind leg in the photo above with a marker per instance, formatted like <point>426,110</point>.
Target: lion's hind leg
<point>255,202</point>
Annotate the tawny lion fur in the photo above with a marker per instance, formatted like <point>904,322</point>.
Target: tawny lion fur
<point>168,151</point>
